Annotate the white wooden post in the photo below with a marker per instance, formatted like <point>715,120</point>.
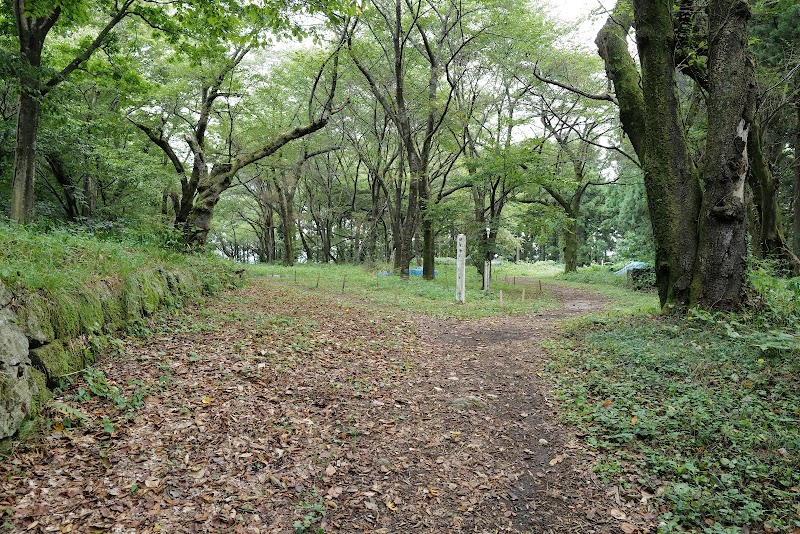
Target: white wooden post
<point>461,260</point>
<point>487,274</point>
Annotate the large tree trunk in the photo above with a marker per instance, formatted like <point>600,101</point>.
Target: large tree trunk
<point>198,223</point>
<point>673,190</point>
<point>731,94</point>
<point>32,32</point>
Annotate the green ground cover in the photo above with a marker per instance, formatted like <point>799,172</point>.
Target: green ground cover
<point>700,414</point>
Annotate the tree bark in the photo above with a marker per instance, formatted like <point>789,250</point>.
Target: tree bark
<point>796,185</point>
<point>22,196</point>
<point>571,245</point>
<point>722,250</point>
<point>767,232</point>
<point>673,191</point>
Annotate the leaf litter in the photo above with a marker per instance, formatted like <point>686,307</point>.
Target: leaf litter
<point>276,409</point>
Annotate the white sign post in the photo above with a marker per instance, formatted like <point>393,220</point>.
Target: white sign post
<point>461,260</point>
<point>487,265</point>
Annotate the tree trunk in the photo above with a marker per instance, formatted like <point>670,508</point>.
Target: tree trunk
<point>304,243</point>
<point>22,195</point>
<point>198,223</point>
<point>32,32</point>
<point>768,239</point>
<point>731,81</point>
<point>374,215</point>
<point>70,202</point>
<point>673,190</point>
<point>571,245</point>
<point>796,185</point>
<point>287,222</point>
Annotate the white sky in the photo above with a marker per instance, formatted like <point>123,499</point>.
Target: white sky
<point>589,15</point>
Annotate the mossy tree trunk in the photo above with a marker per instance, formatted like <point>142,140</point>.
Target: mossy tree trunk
<point>699,235</point>
<point>672,186</point>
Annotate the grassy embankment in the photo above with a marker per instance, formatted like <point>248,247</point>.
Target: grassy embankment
<point>69,291</point>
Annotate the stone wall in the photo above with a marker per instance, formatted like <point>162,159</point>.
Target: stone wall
<point>45,336</point>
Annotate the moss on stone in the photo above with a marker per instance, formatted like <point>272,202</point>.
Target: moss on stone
<point>154,286</point>
<point>132,302</point>
<point>43,395</point>
<point>90,311</point>
<point>34,318</point>
<point>65,316</point>
<point>60,358</point>
<point>111,305</point>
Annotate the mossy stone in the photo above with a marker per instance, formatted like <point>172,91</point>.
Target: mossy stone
<point>90,311</point>
<point>111,304</point>
<point>60,358</point>
<point>35,320</point>
<point>65,316</point>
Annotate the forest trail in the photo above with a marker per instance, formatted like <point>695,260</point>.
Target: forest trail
<point>276,409</point>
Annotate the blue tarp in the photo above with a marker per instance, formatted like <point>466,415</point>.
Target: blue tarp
<point>418,272</point>
<point>631,266</point>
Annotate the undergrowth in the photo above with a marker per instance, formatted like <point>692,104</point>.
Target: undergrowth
<point>702,412</point>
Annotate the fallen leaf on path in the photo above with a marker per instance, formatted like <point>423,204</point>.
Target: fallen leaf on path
<point>617,514</point>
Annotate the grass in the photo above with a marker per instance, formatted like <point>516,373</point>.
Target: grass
<point>66,259</point>
<point>435,298</point>
<point>693,411</point>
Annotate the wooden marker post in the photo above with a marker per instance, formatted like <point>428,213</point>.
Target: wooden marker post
<point>540,287</point>
<point>317,281</point>
<point>461,260</point>
<point>344,279</point>
<point>523,294</point>
<point>501,298</point>
<point>395,294</point>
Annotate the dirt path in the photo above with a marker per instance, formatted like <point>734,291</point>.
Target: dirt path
<point>274,410</point>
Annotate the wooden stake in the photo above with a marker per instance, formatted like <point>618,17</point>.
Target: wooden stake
<point>395,294</point>
<point>344,279</point>
<point>501,298</point>
<point>515,280</point>
<point>540,287</point>
<point>317,280</point>
<point>295,276</point>
<point>523,294</point>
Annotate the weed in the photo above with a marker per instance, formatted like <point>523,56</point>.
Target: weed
<point>313,513</point>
